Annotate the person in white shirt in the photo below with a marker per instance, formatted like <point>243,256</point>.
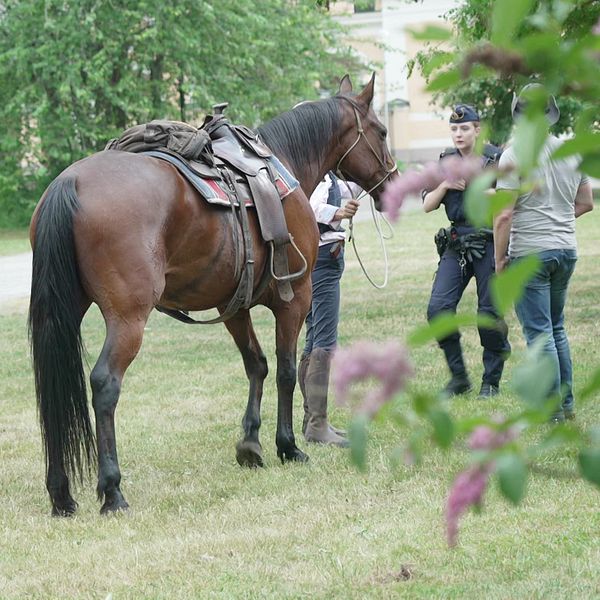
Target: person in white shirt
<point>332,201</point>
<point>542,222</point>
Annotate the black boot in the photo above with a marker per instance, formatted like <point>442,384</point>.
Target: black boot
<point>459,383</point>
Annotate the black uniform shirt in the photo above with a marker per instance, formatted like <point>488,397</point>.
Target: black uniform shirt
<point>453,200</point>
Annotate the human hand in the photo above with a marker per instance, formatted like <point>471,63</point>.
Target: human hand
<point>458,184</point>
<point>348,210</point>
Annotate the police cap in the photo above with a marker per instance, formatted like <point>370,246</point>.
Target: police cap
<point>464,113</point>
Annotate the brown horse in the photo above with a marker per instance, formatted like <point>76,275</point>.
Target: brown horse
<point>128,232</point>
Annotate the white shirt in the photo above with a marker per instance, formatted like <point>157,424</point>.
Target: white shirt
<point>325,213</point>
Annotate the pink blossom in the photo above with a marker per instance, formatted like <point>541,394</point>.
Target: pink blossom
<point>469,486</point>
<point>412,182</point>
<point>467,490</point>
<point>487,438</point>
<point>455,168</point>
<point>596,28</point>
<point>386,362</point>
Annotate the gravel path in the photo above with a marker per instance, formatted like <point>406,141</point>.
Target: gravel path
<point>15,277</point>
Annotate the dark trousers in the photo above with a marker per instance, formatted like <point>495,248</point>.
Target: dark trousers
<point>448,287</point>
<point>322,320</point>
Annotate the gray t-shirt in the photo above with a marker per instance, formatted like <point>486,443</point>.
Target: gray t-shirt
<point>544,218</point>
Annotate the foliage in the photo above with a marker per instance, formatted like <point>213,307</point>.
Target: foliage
<point>75,74</point>
<point>558,42</point>
<point>531,28</point>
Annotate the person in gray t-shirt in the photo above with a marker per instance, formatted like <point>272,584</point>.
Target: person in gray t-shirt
<point>542,222</point>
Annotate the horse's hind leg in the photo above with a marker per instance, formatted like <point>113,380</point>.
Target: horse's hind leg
<point>249,450</point>
<point>123,341</point>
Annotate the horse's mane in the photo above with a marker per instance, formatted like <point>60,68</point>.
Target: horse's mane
<point>301,135</point>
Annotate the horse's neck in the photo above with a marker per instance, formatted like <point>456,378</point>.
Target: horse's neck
<point>312,174</point>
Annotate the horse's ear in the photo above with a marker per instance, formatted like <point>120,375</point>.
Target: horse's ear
<point>345,85</point>
<point>366,96</point>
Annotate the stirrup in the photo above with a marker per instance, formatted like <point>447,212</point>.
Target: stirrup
<point>290,276</point>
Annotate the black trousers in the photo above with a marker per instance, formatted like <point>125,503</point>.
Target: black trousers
<point>448,287</point>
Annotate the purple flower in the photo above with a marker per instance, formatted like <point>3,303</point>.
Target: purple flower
<point>469,486</point>
<point>412,182</point>
<point>386,362</point>
<point>487,438</point>
<point>467,490</point>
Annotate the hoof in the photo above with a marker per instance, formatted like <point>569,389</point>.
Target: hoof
<point>249,454</point>
<point>294,454</point>
<point>68,510</point>
<point>115,507</point>
<point>113,504</point>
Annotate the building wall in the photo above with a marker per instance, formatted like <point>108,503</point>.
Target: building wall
<point>418,130</point>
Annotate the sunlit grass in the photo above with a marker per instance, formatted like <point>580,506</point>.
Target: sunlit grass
<point>202,527</point>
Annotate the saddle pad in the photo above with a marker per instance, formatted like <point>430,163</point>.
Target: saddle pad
<point>216,191</point>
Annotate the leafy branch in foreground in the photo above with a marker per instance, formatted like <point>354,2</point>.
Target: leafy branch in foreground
<point>523,37</point>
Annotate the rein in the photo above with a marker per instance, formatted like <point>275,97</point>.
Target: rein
<point>376,218</point>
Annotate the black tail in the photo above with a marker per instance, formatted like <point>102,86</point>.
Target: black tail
<point>55,334</point>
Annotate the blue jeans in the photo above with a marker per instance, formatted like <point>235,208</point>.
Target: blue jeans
<point>322,319</point>
<point>541,312</point>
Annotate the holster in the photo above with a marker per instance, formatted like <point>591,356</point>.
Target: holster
<point>441,239</point>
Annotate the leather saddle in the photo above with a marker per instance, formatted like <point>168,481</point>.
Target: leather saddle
<point>228,165</point>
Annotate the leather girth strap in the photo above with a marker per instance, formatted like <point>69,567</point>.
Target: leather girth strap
<point>243,296</point>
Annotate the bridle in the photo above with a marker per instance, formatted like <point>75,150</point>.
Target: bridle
<point>389,170</point>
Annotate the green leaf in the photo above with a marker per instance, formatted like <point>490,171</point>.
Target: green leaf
<point>446,323</point>
<point>358,435</point>
<point>530,135</point>
<point>593,385</point>
<point>512,477</point>
<point>507,287</point>
<point>436,61</point>
<point>583,143</point>
<point>534,377</point>
<point>506,18</point>
<point>478,200</point>
<point>556,438</point>
<point>422,403</point>
<point>589,463</point>
<point>431,33</point>
<point>591,165</point>
<point>443,427</point>
<point>444,81</point>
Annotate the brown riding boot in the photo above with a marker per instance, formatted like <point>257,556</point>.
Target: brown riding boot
<point>316,383</point>
<point>302,369</point>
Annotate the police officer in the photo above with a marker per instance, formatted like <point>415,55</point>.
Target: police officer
<point>465,252</point>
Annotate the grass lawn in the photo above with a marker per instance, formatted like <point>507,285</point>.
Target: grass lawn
<point>201,527</point>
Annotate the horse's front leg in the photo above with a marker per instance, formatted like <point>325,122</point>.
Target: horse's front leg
<point>248,449</point>
<point>289,321</point>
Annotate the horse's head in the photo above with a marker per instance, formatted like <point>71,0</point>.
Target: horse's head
<point>365,157</point>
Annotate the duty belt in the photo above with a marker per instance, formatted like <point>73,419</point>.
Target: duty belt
<point>469,246</point>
